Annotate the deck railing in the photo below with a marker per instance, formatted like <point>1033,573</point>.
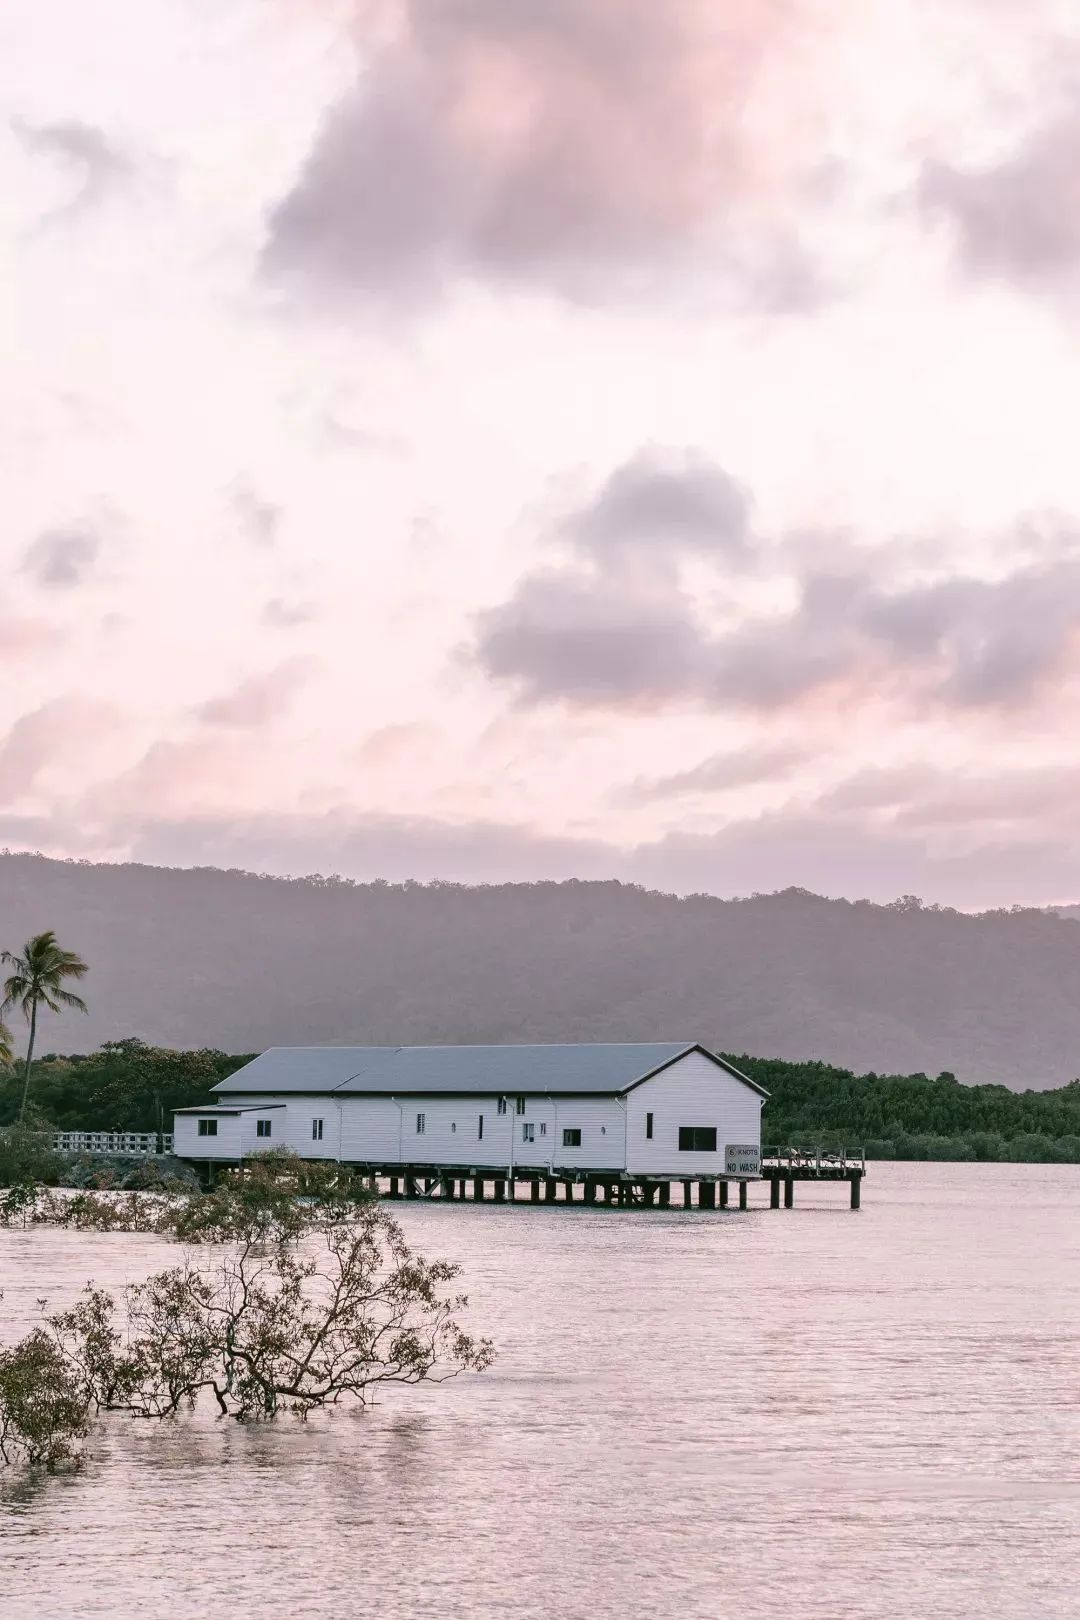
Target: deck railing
<point>139,1143</point>
<point>793,1158</point>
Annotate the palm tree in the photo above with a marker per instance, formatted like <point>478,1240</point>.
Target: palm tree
<point>38,979</point>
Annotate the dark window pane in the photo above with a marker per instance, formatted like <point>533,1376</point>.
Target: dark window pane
<point>571,1138</point>
<point>697,1138</point>
<point>648,1126</point>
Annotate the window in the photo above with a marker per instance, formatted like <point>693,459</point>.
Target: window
<point>453,1127</point>
<point>502,1105</point>
<point>264,1127</point>
<point>208,1127</point>
<point>421,1124</point>
<point>316,1130</point>
<point>480,1129</point>
<point>648,1126</point>
<point>571,1138</point>
<point>697,1138</point>
<point>528,1133</point>
<point>543,1128</point>
<point>521,1105</point>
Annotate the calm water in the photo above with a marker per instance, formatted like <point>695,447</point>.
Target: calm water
<point>806,1414</point>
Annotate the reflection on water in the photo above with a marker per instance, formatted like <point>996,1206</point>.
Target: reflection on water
<point>807,1414</point>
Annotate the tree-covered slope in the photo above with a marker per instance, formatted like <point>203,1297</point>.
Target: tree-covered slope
<point>237,962</point>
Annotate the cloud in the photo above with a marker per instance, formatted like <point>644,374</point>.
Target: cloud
<point>99,164</point>
<point>869,625</point>
<point>48,736</point>
<point>391,744</point>
<point>258,518</point>
<point>61,558</point>
<point>970,864</point>
<point>1018,219</point>
<point>571,639</point>
<point>582,145</point>
<point>286,614</point>
<point>720,773</point>
<point>924,798</point>
<point>260,699</point>
<point>20,636</point>
<point>664,500</point>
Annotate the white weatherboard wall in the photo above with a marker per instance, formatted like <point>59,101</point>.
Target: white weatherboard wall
<point>188,1144</point>
<point>691,1091</point>
<point>383,1130</point>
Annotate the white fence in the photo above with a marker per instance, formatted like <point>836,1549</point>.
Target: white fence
<point>815,1159</point>
<point>128,1142</point>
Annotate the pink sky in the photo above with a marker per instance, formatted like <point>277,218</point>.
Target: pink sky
<point>496,439</point>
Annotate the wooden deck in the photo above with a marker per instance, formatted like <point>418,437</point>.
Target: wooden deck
<point>781,1168</point>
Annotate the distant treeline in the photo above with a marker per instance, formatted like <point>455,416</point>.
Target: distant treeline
<point>914,1116</point>
<point>126,1086</point>
<point>131,1086</point>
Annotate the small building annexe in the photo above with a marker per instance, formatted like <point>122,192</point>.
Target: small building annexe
<point>646,1110</point>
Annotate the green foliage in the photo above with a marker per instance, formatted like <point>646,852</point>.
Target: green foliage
<point>304,1291</point>
<point>911,1116</point>
<point>27,1158</point>
<point>42,1412</point>
<point>37,980</point>
<point>126,1086</point>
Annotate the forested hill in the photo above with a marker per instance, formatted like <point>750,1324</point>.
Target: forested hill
<point>237,962</point>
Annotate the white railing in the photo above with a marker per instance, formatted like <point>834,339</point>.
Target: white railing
<point>137,1142</point>
<point>819,1159</point>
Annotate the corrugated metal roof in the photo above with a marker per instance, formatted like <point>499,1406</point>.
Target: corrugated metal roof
<point>221,1108</point>
<point>589,1067</point>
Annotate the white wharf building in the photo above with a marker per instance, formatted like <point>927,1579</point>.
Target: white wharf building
<point>648,1111</point>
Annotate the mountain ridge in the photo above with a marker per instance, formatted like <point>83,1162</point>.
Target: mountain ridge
<point>203,956</point>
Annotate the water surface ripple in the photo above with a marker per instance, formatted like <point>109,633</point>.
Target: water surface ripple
<point>814,1415</point>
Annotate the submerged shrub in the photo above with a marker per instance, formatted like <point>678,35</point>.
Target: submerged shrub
<point>307,1293</point>
<point>43,1412</point>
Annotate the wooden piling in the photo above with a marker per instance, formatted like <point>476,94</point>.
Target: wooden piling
<point>723,1195</point>
<point>706,1195</point>
<point>393,1193</point>
<point>774,1193</point>
<point>742,1194</point>
<point>534,1190</point>
<point>688,1195</point>
<point>649,1190</point>
<point>549,1190</point>
<point>478,1189</point>
<point>568,1192</point>
<point>500,1192</point>
<point>856,1192</point>
<point>590,1191</point>
<point>665,1194</point>
<point>410,1186</point>
<point>789,1192</point>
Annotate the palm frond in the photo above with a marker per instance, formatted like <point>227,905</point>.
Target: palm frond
<point>67,998</point>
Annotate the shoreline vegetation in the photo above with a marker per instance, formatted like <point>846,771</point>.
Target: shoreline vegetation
<point>128,1085</point>
<point>295,1290</point>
